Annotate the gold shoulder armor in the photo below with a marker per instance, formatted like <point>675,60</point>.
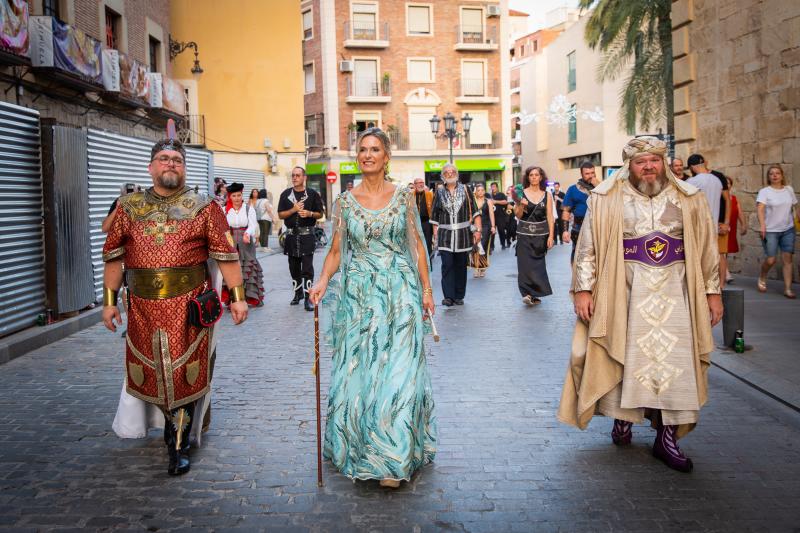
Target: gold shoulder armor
<point>180,206</point>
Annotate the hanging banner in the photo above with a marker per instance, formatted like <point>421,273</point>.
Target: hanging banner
<point>174,97</point>
<point>134,81</point>
<point>110,64</point>
<point>76,53</point>
<point>41,37</point>
<point>156,96</point>
<point>14,35</point>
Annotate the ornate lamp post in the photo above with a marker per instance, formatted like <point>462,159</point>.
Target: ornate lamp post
<point>450,128</point>
<point>176,47</point>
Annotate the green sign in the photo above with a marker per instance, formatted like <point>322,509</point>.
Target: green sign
<point>479,164</point>
<point>316,168</point>
<point>349,167</point>
<point>467,165</point>
<point>434,166</point>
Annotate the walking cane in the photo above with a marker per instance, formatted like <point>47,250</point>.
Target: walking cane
<point>315,371</point>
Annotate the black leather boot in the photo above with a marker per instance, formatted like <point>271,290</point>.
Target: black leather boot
<point>179,428</point>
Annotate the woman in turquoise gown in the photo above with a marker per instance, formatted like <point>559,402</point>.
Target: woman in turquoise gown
<point>380,422</point>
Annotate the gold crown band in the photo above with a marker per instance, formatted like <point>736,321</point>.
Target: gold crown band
<point>237,293</point>
<point>109,296</point>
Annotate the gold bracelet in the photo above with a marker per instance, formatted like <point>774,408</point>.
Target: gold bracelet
<point>237,293</point>
<point>109,296</point>
<point>427,290</point>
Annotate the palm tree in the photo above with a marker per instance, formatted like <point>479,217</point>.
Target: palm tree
<point>635,37</point>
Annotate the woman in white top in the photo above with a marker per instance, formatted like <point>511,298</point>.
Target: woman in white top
<point>775,205</point>
<point>244,227</point>
<point>266,216</point>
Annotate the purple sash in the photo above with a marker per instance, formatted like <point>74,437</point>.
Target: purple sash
<point>655,249</point>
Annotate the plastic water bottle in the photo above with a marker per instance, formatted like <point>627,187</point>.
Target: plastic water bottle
<point>738,342</point>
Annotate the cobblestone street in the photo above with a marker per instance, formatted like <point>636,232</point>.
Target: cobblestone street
<point>504,463</point>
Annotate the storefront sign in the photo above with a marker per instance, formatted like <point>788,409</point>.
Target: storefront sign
<point>434,166</point>
<point>316,168</point>
<point>349,167</point>
<point>469,165</point>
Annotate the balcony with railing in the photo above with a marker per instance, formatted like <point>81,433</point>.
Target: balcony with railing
<point>476,38</point>
<point>495,143</point>
<point>366,34</point>
<point>368,90</point>
<point>191,130</point>
<point>477,91</point>
<point>315,131</point>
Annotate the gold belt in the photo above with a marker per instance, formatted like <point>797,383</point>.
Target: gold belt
<point>163,283</point>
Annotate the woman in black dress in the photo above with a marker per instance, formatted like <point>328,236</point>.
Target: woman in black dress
<point>488,229</point>
<point>535,231</point>
<point>511,220</point>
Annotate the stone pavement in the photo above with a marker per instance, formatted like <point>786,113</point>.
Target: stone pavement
<point>504,462</point>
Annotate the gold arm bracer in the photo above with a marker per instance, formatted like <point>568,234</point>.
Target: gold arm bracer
<point>237,293</point>
<point>109,296</point>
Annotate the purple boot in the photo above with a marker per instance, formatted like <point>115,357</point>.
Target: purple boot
<point>666,449</point>
<point>621,434</point>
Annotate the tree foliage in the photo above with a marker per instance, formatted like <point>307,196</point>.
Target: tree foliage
<point>635,37</point>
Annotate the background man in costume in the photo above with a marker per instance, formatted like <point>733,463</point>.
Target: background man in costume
<point>574,204</point>
<point>646,287</point>
<point>424,201</point>
<point>300,207</point>
<point>165,235</point>
<point>456,229</point>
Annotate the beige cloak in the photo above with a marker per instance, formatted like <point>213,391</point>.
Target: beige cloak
<point>598,349</point>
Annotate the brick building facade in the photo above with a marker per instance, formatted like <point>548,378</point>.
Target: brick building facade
<point>395,65</point>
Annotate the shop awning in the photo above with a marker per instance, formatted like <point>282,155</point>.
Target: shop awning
<point>469,165</point>
<point>435,165</point>
<point>316,168</point>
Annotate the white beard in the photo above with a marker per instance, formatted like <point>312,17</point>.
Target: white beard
<point>450,181</point>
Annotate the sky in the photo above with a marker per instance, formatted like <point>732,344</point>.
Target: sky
<point>537,9</point>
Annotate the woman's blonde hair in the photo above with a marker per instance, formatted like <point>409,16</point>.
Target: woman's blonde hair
<point>780,169</point>
<point>378,134</point>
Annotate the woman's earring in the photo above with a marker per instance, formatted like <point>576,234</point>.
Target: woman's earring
<point>386,170</point>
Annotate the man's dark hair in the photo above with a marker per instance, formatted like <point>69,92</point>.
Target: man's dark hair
<point>586,165</point>
<point>695,159</point>
<point>301,170</point>
<point>556,183</point>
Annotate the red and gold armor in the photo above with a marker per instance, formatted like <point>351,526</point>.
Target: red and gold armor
<point>167,360</point>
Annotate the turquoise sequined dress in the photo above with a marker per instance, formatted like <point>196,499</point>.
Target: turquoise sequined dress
<point>380,422</point>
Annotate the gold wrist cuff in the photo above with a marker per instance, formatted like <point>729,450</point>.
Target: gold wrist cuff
<point>427,290</point>
<point>237,293</point>
<point>109,296</point>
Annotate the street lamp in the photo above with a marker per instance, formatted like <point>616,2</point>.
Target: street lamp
<point>450,128</point>
<point>176,47</point>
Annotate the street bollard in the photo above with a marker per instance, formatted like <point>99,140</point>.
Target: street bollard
<point>733,317</point>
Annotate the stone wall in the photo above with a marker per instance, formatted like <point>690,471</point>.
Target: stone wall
<point>737,96</point>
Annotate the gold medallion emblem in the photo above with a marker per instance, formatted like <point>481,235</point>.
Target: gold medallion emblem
<point>229,237</point>
<point>188,203</point>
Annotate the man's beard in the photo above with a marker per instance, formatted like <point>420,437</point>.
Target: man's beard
<point>650,189</point>
<point>451,181</point>
<point>171,181</point>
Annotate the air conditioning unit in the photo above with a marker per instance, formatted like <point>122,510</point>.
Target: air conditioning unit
<point>345,66</point>
<point>492,11</point>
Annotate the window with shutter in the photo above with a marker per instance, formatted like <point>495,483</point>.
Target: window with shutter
<point>419,20</point>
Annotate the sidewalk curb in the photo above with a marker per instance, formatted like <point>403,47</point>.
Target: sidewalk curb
<point>30,339</point>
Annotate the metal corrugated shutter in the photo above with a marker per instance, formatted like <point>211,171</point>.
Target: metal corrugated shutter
<point>22,281</point>
<point>115,160</point>
<point>251,179</point>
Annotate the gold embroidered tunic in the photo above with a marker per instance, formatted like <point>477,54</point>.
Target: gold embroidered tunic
<point>167,359</point>
<point>659,369</point>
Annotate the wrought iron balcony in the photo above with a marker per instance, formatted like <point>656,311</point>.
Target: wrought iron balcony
<point>476,38</point>
<point>368,90</point>
<point>365,34</point>
<point>477,91</point>
<point>191,130</point>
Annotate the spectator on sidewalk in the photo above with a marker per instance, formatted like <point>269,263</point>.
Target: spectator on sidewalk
<point>511,223</point>
<point>266,218</point>
<point>737,223</point>
<point>488,229</point>
<point>715,187</point>
<point>775,207</point>
<point>677,168</point>
<point>424,200</point>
